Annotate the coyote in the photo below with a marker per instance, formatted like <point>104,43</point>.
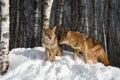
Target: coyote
<point>89,46</point>
<point>50,42</point>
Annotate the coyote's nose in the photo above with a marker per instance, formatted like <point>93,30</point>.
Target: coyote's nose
<point>49,37</point>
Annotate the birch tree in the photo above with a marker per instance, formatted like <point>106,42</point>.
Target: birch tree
<point>86,17</point>
<point>60,7</point>
<point>95,18</point>
<point>4,43</point>
<point>103,25</point>
<point>35,34</point>
<point>47,11</point>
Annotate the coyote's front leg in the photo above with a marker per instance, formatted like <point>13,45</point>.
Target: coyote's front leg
<point>76,51</point>
<point>47,54</point>
<point>85,52</point>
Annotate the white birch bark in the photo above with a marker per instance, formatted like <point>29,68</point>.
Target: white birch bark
<point>47,11</point>
<point>5,22</point>
<point>4,43</point>
<point>46,14</point>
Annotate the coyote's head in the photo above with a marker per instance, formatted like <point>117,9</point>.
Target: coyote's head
<point>49,33</point>
<point>65,37</point>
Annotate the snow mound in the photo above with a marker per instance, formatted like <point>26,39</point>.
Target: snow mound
<point>29,64</point>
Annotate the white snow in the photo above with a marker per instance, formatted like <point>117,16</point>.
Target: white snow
<point>29,64</point>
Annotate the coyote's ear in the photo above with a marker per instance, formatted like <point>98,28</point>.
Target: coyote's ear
<point>69,34</point>
<point>54,28</point>
<point>64,30</point>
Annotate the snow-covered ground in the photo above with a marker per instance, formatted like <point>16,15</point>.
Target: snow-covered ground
<point>29,64</point>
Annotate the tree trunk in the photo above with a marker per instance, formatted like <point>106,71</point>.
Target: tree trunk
<point>17,23</point>
<point>35,31</point>
<point>86,17</point>
<point>21,25</point>
<point>0,17</point>
<point>79,14</point>
<point>103,25</point>
<point>4,43</point>
<point>108,27</point>
<point>60,4</point>
<point>73,13</point>
<point>94,18</point>
<point>47,11</point>
<point>41,6</point>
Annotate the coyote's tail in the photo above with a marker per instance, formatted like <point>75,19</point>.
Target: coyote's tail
<point>104,58</point>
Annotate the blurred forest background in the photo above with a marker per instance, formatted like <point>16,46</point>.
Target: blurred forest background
<point>98,18</point>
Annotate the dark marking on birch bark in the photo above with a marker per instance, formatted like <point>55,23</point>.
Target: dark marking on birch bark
<point>4,59</point>
<point>6,35</point>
